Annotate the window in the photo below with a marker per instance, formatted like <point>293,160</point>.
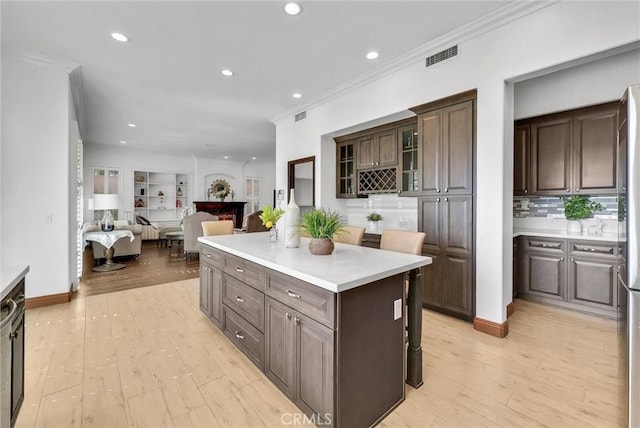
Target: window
<point>252,194</point>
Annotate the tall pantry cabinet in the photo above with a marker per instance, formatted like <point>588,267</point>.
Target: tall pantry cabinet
<point>446,130</point>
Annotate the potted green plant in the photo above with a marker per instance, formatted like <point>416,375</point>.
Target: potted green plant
<point>373,218</point>
<point>576,208</point>
<point>321,225</point>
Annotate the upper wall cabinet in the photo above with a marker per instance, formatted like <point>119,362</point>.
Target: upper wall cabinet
<point>446,150</point>
<point>346,169</point>
<point>378,150</point>
<point>408,161</point>
<point>572,152</point>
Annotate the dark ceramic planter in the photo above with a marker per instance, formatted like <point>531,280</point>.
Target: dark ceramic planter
<point>321,246</point>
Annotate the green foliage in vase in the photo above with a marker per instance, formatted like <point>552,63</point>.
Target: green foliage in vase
<point>579,207</point>
<point>321,223</point>
<point>270,216</point>
<point>373,216</point>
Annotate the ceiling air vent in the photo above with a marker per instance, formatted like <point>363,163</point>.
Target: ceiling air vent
<point>301,116</point>
<point>441,56</point>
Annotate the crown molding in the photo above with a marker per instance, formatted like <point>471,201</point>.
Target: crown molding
<point>39,59</point>
<point>496,19</point>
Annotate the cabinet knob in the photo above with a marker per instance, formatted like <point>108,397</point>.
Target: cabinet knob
<point>446,190</point>
<point>526,191</point>
<point>568,190</point>
<point>437,190</point>
<point>561,259</point>
<point>577,189</point>
<point>288,316</point>
<point>296,320</point>
<point>573,260</point>
<point>14,335</point>
<point>446,199</point>
<point>437,199</point>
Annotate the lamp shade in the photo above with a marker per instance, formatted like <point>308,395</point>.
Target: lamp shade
<point>106,202</point>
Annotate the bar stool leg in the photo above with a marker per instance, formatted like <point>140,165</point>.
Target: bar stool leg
<point>414,317</point>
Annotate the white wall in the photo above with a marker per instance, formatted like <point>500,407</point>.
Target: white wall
<point>35,172</point>
<point>579,86</point>
<point>559,33</point>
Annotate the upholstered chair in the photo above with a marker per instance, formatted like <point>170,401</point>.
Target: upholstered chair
<point>193,230</point>
<point>254,224</point>
<point>350,235</point>
<point>221,227</point>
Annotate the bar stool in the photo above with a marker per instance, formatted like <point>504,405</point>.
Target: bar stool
<point>410,243</point>
<point>350,235</point>
<point>218,227</point>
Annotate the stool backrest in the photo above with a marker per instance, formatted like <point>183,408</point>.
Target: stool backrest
<point>402,241</point>
<point>350,235</point>
<point>220,227</point>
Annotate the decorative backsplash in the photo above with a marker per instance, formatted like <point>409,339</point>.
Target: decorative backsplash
<point>551,206</point>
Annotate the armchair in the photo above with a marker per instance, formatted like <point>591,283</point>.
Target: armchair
<point>193,229</point>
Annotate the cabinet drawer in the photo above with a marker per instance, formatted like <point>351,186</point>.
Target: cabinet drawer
<point>545,244</point>
<point>244,270</point>
<point>211,256</point>
<point>597,249</point>
<point>312,301</point>
<point>246,337</point>
<point>245,300</point>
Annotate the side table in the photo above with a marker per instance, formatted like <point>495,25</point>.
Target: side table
<point>108,240</point>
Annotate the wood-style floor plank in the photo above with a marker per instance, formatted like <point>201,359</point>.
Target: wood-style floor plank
<point>147,357</point>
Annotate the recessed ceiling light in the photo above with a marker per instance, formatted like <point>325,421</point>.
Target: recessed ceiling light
<point>293,8</point>
<point>119,37</point>
<point>226,157</point>
<point>131,125</point>
<point>227,72</point>
<point>123,142</point>
<point>372,55</point>
<point>254,158</point>
<point>297,95</point>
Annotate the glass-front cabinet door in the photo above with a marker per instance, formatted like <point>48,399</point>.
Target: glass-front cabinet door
<point>408,170</point>
<point>346,185</point>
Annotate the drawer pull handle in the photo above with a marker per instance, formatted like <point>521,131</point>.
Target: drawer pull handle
<point>208,255</point>
<point>239,299</point>
<point>239,335</point>
<point>292,294</point>
<point>239,270</point>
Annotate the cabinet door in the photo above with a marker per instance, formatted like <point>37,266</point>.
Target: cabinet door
<point>551,156</point>
<point>544,275</point>
<point>314,361</point>
<point>205,289</point>
<point>215,290</point>
<point>408,160</point>
<point>431,283</point>
<point>457,284</point>
<point>593,282</point>
<point>345,170</point>
<point>457,225</point>
<point>521,143</point>
<point>430,151</point>
<point>387,148</point>
<point>595,138</point>
<point>457,149</point>
<point>279,346</point>
<point>367,148</point>
<point>429,223</point>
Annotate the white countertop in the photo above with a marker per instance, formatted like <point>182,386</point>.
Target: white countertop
<point>349,266</point>
<point>9,277</point>
<point>563,234</point>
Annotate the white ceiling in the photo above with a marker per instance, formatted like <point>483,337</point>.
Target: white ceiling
<point>167,79</point>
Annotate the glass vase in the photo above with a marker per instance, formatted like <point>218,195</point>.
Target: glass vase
<point>273,234</point>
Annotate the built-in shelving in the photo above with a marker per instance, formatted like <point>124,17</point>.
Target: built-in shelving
<point>160,196</point>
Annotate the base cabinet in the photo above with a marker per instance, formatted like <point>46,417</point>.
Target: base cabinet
<point>575,273</point>
<point>211,292</point>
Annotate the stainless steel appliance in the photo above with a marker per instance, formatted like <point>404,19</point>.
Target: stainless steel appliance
<point>11,355</point>
<point>629,253</point>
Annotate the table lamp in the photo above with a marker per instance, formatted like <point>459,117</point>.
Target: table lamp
<point>107,203</point>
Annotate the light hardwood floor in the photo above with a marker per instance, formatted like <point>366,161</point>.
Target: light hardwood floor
<point>147,357</point>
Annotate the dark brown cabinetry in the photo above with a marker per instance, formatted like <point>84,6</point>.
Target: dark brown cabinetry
<point>521,162</point>
<point>576,274</point>
<point>448,224</point>
<point>408,165</point>
<point>517,271</point>
<point>572,152</point>
<point>346,169</point>
<point>378,150</point>
<point>446,150</point>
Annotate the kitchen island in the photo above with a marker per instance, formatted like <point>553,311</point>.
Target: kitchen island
<point>329,331</point>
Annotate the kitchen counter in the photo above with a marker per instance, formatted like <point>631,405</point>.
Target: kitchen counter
<point>349,266</point>
<point>10,276</point>
<point>563,234</point>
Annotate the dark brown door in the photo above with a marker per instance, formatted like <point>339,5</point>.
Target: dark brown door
<point>387,148</point>
<point>280,346</point>
<point>457,149</point>
<point>456,288</point>
<point>314,366</point>
<point>521,144</point>
<point>457,225</point>
<point>430,222</point>
<point>551,156</point>
<point>430,151</point>
<point>345,170</point>
<point>367,147</point>
<point>595,141</point>
<point>431,281</point>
